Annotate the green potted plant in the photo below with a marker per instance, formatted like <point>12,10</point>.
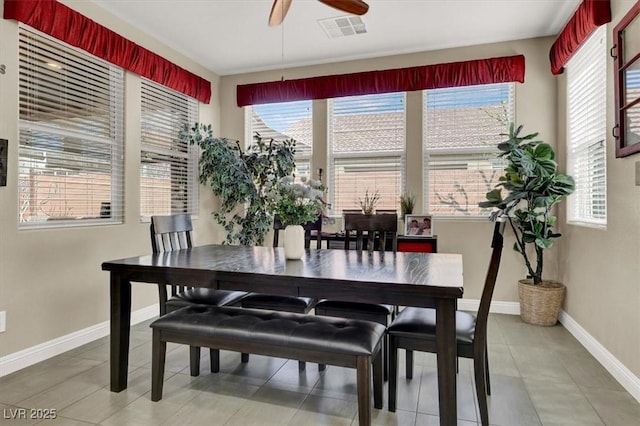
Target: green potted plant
<point>296,203</point>
<point>407,203</point>
<point>533,188</point>
<point>368,203</point>
<point>241,180</point>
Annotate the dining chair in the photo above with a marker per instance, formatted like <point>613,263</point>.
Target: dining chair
<point>380,229</point>
<point>174,232</point>
<point>414,329</point>
<point>276,302</point>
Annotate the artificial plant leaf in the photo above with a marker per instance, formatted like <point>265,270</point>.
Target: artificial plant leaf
<point>543,151</point>
<point>544,243</point>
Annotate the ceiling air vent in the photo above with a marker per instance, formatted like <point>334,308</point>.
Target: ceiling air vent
<point>342,26</point>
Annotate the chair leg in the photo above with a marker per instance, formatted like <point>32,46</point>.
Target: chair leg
<point>486,369</point>
<point>481,390</point>
<point>214,358</point>
<point>162,298</point>
<point>385,357</point>
<point>159,352</point>
<point>363,371</point>
<point>409,363</point>
<point>244,358</point>
<point>194,356</point>
<point>302,366</point>
<point>393,372</point>
<point>377,382</point>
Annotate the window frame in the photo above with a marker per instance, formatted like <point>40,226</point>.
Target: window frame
<point>299,157</point>
<point>66,128</point>
<point>470,154</point>
<point>389,154</point>
<point>581,151</point>
<point>621,66</point>
<point>178,104</point>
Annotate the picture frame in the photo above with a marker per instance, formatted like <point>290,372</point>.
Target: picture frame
<point>4,147</point>
<point>418,225</point>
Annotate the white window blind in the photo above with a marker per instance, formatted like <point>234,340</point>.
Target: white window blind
<point>462,127</point>
<point>282,121</point>
<point>587,156</point>
<point>71,135</point>
<point>169,166</point>
<point>367,150</point>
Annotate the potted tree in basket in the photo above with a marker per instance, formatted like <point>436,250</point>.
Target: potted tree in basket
<point>533,188</point>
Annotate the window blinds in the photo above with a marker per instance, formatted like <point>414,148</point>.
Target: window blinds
<point>586,97</point>
<point>462,127</point>
<point>367,150</point>
<point>71,135</point>
<point>285,120</point>
<point>169,165</point>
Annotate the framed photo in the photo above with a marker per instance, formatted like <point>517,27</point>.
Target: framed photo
<point>3,161</point>
<point>418,225</point>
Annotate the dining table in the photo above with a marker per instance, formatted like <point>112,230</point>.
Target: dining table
<point>403,279</point>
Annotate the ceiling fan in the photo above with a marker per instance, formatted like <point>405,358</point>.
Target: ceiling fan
<point>281,7</point>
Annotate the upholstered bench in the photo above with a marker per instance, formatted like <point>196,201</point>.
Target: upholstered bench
<point>324,340</point>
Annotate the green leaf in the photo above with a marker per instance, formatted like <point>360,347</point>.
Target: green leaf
<point>544,243</point>
<point>544,151</point>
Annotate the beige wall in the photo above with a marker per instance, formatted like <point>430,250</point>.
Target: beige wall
<point>51,283</point>
<point>601,267</point>
<point>535,107</point>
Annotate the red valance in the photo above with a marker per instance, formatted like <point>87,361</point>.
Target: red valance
<point>466,73</point>
<point>589,16</point>
<point>72,27</point>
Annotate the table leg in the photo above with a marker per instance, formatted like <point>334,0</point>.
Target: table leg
<point>447,353</point>
<point>120,323</point>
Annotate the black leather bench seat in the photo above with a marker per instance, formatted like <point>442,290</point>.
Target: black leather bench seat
<point>325,340</point>
<point>275,328</point>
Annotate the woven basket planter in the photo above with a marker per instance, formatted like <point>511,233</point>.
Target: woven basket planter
<point>540,304</point>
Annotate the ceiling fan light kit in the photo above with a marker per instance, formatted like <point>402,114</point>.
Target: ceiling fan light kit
<point>281,7</point>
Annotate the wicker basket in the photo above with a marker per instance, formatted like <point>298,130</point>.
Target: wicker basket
<point>540,304</point>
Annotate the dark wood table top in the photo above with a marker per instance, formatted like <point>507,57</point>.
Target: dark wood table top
<point>395,276</point>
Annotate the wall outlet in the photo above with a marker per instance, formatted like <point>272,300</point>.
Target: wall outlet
<point>3,321</point>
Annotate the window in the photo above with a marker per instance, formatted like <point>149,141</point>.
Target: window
<point>462,127</point>
<point>627,82</point>
<point>169,166</point>
<point>71,136</point>
<point>366,150</point>
<point>282,121</point>
<point>587,156</point>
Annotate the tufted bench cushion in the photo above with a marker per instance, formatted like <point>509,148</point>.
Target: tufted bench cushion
<point>274,328</point>
<point>300,305</point>
<point>325,340</point>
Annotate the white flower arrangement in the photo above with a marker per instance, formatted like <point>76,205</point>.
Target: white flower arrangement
<point>296,203</point>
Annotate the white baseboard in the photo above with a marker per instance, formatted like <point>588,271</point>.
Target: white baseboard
<point>622,374</point>
<point>510,308</point>
<point>29,356</point>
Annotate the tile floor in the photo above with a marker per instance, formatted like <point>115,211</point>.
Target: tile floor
<point>539,376</point>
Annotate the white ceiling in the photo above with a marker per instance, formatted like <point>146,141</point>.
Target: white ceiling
<point>232,36</point>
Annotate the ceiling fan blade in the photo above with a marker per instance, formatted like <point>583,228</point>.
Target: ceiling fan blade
<point>278,12</point>
<point>355,7</point>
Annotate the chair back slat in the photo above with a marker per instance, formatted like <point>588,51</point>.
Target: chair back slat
<point>384,225</point>
<point>170,233</point>
<point>490,279</point>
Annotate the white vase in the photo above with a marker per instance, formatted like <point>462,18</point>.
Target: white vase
<point>294,242</point>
